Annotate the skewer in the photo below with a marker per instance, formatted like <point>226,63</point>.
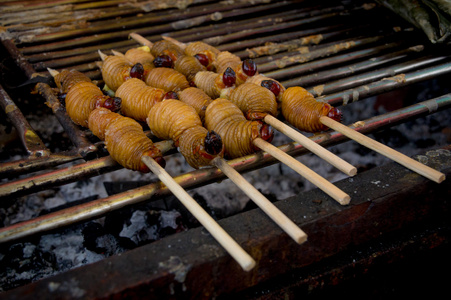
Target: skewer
<point>298,137</point>
<point>231,246</point>
<point>400,158</point>
<point>262,202</point>
<point>329,188</point>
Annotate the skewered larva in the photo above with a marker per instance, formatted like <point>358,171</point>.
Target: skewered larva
<point>188,66</point>
<point>243,69</point>
<point>65,79</point>
<point>273,85</point>
<point>303,111</point>
<point>168,48</point>
<point>138,98</point>
<point>166,79</point>
<point>206,54</point>
<point>254,101</point>
<point>237,133</point>
<point>196,98</point>
<point>84,97</point>
<point>124,138</point>
<point>117,69</point>
<point>175,120</point>
<point>140,55</point>
<point>216,85</point>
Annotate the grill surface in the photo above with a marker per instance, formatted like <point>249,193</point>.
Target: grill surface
<point>319,47</point>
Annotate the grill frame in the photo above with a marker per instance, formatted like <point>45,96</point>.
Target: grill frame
<point>85,149</point>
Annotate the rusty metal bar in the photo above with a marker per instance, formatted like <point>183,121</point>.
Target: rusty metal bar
<point>30,140</point>
<point>386,84</point>
<point>204,176</point>
<point>348,70</point>
<point>353,81</point>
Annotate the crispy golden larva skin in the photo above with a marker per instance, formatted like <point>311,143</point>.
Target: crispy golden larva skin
<point>211,83</point>
<point>236,132</point>
<point>81,100</point>
<point>164,47</point>
<point>189,66</point>
<point>138,98</point>
<point>166,79</point>
<point>199,47</point>
<point>66,79</point>
<point>139,55</point>
<point>196,98</point>
<point>115,71</point>
<point>170,118</point>
<point>301,109</point>
<point>225,60</point>
<point>254,99</point>
<point>124,139</point>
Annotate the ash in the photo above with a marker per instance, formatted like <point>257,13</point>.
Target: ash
<point>64,249</point>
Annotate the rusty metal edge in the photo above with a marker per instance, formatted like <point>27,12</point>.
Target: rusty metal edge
<point>191,265</point>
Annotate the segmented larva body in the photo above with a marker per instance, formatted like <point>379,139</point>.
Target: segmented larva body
<point>243,69</point>
<point>66,79</point>
<point>170,118</point>
<point>140,55</point>
<point>215,85</point>
<point>164,47</point>
<point>303,111</point>
<point>138,98</point>
<point>254,101</point>
<point>189,66</point>
<point>124,139</point>
<point>115,71</point>
<point>273,85</point>
<point>82,99</point>
<point>196,98</point>
<point>173,119</point>
<point>166,79</point>
<point>237,133</point>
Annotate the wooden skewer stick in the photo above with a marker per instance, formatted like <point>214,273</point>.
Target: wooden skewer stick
<point>231,246</point>
<point>270,209</point>
<point>328,156</point>
<point>330,189</point>
<point>174,41</point>
<point>400,158</point>
<point>140,39</point>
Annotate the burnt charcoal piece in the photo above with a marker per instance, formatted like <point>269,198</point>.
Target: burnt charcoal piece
<point>392,138</point>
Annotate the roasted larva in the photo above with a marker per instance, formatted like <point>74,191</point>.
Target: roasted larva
<point>216,85</point>
<point>117,69</point>
<point>243,69</point>
<point>138,98</point>
<point>303,111</point>
<point>237,133</point>
<point>124,138</point>
<point>166,79</point>
<point>196,98</point>
<point>254,101</point>
<point>175,120</point>
<point>65,79</point>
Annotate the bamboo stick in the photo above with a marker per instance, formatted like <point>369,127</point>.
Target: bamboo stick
<point>269,208</point>
<point>330,189</point>
<point>232,247</point>
<point>400,158</point>
<point>295,135</point>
